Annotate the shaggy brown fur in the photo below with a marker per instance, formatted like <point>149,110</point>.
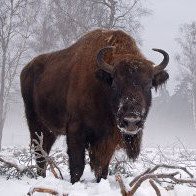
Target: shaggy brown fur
<point>63,95</point>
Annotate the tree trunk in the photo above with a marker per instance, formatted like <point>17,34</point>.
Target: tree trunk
<point>112,14</point>
<point>1,130</point>
<point>2,93</point>
<point>194,105</point>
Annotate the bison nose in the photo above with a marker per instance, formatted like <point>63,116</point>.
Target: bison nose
<point>130,121</point>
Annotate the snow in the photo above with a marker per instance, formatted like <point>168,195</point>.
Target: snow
<point>22,187</point>
<point>87,185</point>
<point>104,188</point>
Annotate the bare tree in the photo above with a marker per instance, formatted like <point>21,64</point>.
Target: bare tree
<point>44,34</point>
<point>14,31</point>
<point>73,18</point>
<point>187,60</point>
<point>121,14</point>
<point>50,24</point>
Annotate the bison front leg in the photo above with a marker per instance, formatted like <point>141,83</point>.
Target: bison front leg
<point>76,151</point>
<point>100,156</point>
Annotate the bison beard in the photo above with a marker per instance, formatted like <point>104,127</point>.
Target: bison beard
<point>86,92</point>
<point>132,144</point>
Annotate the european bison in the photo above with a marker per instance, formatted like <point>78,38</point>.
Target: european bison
<point>97,92</point>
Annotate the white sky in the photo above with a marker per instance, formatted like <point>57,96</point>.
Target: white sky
<point>162,27</point>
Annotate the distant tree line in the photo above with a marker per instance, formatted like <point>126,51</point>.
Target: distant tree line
<point>31,27</point>
<point>172,113</point>
<point>178,111</point>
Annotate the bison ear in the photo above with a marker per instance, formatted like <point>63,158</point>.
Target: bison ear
<point>160,78</point>
<point>104,76</point>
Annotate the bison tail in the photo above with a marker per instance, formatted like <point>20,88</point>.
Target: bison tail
<point>27,85</point>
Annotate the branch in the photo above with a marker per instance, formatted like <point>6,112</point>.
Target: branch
<point>137,177</point>
<point>171,167</point>
<point>121,184</point>
<point>21,169</point>
<point>150,176</point>
<point>44,190</point>
<point>39,147</point>
<point>11,164</point>
<point>154,186</point>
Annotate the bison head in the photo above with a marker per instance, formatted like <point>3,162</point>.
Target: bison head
<point>130,80</point>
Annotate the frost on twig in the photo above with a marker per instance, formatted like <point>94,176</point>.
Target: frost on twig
<point>137,177</point>
<point>171,167</point>
<point>21,162</point>
<point>13,168</point>
<point>148,174</point>
<point>38,147</point>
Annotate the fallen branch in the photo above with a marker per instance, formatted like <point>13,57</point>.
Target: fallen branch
<point>171,167</point>
<point>154,186</point>
<point>21,169</point>
<point>10,164</point>
<point>149,176</point>
<point>44,190</point>
<point>39,147</point>
<point>121,184</point>
<point>137,177</point>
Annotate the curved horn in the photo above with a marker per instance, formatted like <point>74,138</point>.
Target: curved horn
<point>163,64</point>
<point>101,63</point>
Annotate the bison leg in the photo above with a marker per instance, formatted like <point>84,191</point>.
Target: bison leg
<point>48,138</point>
<point>48,141</point>
<point>34,124</point>
<point>76,151</point>
<point>100,156</point>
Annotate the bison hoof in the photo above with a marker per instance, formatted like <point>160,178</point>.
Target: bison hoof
<point>41,172</point>
<point>98,180</point>
<point>73,180</point>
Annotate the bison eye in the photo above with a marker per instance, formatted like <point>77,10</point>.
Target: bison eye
<point>135,83</point>
<point>113,87</point>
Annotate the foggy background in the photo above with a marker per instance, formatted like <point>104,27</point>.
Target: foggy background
<point>171,119</point>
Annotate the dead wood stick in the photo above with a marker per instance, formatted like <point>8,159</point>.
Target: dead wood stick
<point>137,177</point>
<point>44,190</point>
<point>137,181</point>
<point>149,176</point>
<point>121,184</point>
<point>55,165</point>
<point>11,164</point>
<point>39,147</point>
<point>171,167</point>
<point>19,168</point>
<point>177,180</point>
<point>155,187</point>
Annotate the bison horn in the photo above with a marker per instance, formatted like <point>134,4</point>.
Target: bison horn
<point>101,63</point>
<point>163,64</point>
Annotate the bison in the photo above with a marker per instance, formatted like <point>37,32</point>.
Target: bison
<point>97,92</point>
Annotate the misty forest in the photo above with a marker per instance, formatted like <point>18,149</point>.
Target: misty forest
<point>166,164</point>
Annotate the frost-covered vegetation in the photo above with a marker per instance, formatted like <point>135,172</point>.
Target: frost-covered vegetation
<point>162,166</point>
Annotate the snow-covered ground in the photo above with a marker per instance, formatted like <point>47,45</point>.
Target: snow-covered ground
<point>87,185</point>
